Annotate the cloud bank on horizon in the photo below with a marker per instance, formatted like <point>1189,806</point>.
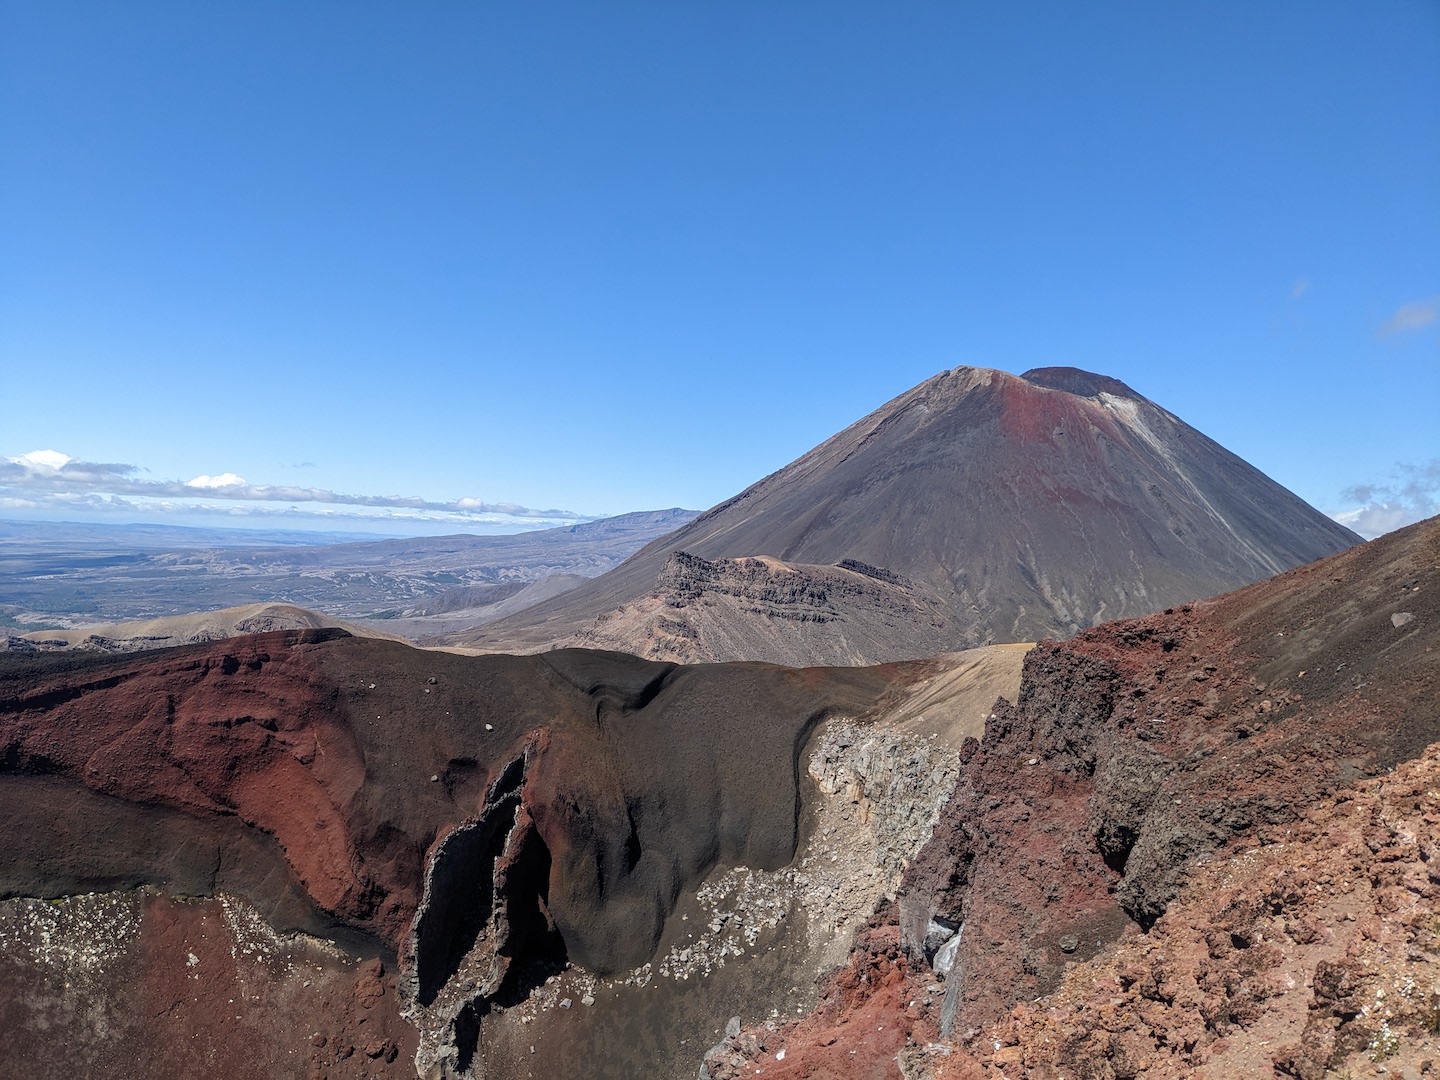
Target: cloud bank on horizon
<point>1409,495</point>
<point>48,481</point>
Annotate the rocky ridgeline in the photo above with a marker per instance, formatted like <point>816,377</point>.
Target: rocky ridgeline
<point>780,591</point>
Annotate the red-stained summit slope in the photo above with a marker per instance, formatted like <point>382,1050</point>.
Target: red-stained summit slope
<point>1030,506</point>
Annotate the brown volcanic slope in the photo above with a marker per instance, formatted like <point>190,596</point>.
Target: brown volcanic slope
<point>172,630</point>
<point>1202,843</point>
<point>1032,506</point>
<point>483,819</point>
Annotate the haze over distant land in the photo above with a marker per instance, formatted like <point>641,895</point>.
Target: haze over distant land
<point>80,575</point>
<point>345,268</point>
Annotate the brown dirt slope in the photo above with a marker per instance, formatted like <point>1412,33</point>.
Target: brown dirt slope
<point>1033,506</point>
<point>135,985</point>
<point>1200,843</point>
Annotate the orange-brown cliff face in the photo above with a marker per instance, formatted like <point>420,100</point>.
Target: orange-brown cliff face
<point>1200,843</point>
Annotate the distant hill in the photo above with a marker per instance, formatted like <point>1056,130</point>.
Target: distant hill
<point>172,630</point>
<point>1025,507</point>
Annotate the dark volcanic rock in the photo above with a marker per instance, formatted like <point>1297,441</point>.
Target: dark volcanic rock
<point>1032,506</point>
<point>644,777</point>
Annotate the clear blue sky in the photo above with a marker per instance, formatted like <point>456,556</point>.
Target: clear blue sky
<point>606,257</point>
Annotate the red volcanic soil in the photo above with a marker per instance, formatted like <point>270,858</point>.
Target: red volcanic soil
<point>143,985</point>
<point>1200,843</point>
<point>870,1011</point>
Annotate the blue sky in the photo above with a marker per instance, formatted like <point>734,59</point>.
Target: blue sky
<point>434,264</point>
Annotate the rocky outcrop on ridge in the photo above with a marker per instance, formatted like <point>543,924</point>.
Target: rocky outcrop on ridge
<point>706,611</point>
<point>999,508</point>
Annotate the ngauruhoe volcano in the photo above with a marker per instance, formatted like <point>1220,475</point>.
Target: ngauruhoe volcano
<point>979,507</point>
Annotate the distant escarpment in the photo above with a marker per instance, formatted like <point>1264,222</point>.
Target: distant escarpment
<point>995,508</point>
<point>782,613</point>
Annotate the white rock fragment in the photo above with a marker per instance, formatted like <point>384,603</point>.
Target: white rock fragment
<point>944,961</point>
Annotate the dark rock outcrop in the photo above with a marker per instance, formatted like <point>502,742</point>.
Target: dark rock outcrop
<point>1139,746</point>
<point>783,613</point>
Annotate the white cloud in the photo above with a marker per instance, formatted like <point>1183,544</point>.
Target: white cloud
<point>1376,520</point>
<point>1299,289</point>
<point>1411,494</point>
<point>48,478</point>
<point>45,459</point>
<point>1414,316</point>
<point>224,480</point>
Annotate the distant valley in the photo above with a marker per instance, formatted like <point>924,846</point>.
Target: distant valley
<point>64,575</point>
